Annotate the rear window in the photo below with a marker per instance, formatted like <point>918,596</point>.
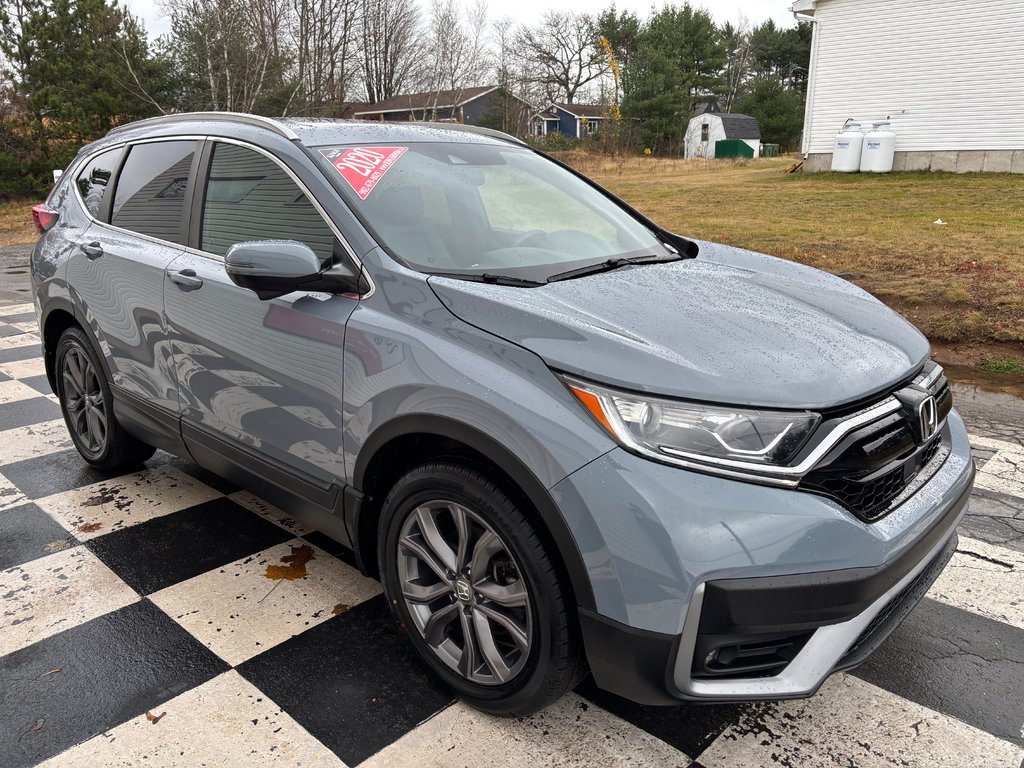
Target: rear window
<point>93,180</point>
<point>151,190</point>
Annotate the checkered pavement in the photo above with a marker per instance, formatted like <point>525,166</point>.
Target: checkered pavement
<point>166,617</point>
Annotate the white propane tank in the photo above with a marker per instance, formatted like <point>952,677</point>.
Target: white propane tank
<point>847,151</point>
<point>879,149</point>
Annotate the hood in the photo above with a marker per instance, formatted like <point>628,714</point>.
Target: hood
<point>730,326</point>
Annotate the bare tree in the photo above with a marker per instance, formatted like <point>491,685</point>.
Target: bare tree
<point>390,51</point>
<point>457,45</point>
<point>324,38</point>
<point>563,48</point>
<point>227,49</point>
<point>739,57</point>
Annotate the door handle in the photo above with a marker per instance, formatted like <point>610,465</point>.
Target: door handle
<point>186,279</point>
<point>92,250</point>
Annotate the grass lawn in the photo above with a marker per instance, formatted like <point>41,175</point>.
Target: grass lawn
<point>16,222</point>
<point>961,282</point>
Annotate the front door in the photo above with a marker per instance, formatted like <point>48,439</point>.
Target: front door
<point>260,382</point>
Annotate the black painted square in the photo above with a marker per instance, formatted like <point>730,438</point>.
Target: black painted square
<point>170,549</point>
<point>354,681</point>
<point>24,412</point>
<point>52,473</point>
<point>40,384</point>
<point>25,352</point>
<point>955,662</point>
<point>26,533</point>
<point>690,728</point>
<point>111,669</point>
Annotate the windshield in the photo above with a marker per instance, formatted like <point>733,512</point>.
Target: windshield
<point>480,209</point>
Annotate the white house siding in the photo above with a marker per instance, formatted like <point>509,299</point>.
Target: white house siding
<point>955,66</point>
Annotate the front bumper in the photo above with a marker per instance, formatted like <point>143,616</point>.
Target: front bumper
<point>835,615</point>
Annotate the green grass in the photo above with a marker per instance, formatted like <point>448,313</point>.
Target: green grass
<point>959,282</point>
<point>1003,365</point>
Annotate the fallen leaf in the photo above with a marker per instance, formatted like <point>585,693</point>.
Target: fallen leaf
<point>341,608</point>
<point>53,671</point>
<point>154,719</point>
<point>38,726</point>
<point>96,501</point>
<point>294,564</point>
<point>89,527</point>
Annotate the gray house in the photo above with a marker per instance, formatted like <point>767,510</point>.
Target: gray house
<point>486,105</point>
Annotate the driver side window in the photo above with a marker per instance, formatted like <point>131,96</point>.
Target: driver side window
<point>250,197</point>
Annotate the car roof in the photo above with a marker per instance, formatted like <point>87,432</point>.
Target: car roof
<point>308,131</point>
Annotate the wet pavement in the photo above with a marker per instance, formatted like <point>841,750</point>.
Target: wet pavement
<point>166,617</point>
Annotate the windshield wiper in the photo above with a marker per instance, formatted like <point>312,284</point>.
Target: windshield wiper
<point>611,264</point>
<point>487,277</point>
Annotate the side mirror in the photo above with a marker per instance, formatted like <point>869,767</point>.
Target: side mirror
<point>273,268</point>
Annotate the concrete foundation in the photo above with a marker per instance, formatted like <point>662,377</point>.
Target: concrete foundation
<point>973,161</point>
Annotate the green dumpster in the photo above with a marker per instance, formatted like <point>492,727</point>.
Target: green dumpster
<point>771,150</point>
<point>731,149</point>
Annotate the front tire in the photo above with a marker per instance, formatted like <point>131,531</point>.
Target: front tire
<point>472,584</point>
<point>88,407</point>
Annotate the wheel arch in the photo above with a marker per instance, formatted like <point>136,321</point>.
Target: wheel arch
<point>58,316</point>
<point>410,440</point>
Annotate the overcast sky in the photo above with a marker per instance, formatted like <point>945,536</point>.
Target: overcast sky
<point>527,11</point>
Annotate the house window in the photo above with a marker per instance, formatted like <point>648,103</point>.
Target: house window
<point>705,132</point>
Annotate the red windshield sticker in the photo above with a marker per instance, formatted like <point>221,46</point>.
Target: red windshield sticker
<point>363,167</point>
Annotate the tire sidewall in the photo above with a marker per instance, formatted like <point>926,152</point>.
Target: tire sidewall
<point>422,485</point>
<point>75,338</point>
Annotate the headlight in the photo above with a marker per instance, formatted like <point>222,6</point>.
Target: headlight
<point>733,437</point>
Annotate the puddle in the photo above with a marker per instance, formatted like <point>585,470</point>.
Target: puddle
<point>999,390</point>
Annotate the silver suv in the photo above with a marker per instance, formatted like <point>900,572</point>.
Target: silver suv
<point>564,438</point>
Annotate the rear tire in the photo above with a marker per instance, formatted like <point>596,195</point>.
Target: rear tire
<point>445,529</point>
<point>88,407</point>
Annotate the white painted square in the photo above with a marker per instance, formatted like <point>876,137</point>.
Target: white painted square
<point>33,441</point>
<point>266,510</point>
<point>984,579</point>
<point>21,340</point>
<point>238,612</point>
<point>110,505</point>
<point>570,734</point>
<point>54,593</point>
<point>24,369</point>
<point>10,495</point>
<point>16,309</point>
<point>226,721</point>
<point>1003,473</point>
<point>13,391</point>
<point>854,723</point>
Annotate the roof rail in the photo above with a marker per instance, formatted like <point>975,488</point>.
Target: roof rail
<point>479,130</point>
<point>232,117</point>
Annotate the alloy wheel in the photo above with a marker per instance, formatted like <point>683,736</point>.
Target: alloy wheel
<point>465,592</point>
<point>84,401</point>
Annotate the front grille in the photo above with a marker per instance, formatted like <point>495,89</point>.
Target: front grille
<point>879,466</point>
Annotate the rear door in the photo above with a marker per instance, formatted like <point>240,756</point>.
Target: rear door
<point>117,272</point>
<point>260,381</point>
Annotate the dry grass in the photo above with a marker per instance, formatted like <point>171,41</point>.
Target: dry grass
<point>16,222</point>
<point>959,282</point>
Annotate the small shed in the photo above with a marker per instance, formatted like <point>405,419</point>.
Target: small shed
<point>706,129</point>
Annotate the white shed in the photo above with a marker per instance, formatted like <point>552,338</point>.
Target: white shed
<point>707,128</point>
<point>948,72</point>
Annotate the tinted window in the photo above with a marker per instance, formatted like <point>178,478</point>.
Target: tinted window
<point>150,197</point>
<point>94,179</point>
<point>249,197</point>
